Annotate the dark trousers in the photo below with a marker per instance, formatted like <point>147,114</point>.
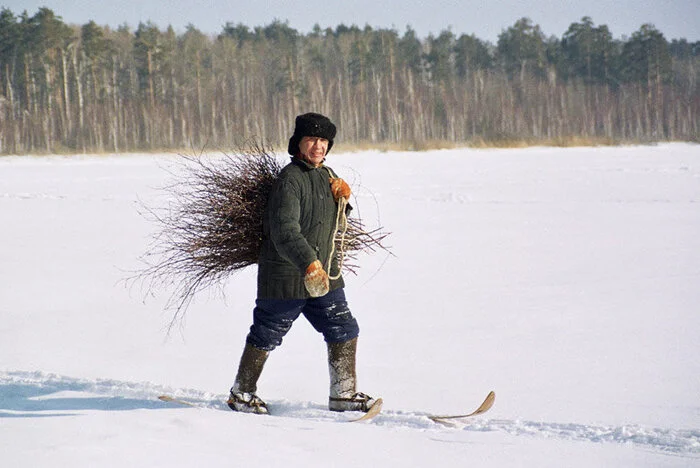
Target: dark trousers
<point>329,315</point>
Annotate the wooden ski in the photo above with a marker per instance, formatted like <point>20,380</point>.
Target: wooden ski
<point>484,407</point>
<point>374,410</point>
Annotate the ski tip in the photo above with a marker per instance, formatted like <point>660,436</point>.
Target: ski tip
<point>170,399</point>
<point>374,410</point>
<point>484,407</point>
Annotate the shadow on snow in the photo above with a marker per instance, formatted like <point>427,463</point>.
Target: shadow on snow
<point>24,394</point>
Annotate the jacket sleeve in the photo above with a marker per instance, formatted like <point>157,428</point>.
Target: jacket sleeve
<point>284,213</point>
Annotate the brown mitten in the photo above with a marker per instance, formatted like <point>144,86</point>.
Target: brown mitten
<point>316,280</point>
<point>340,188</point>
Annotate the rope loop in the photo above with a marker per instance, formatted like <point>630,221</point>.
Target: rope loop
<point>341,224</point>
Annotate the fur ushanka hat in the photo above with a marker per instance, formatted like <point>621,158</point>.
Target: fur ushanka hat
<point>313,125</point>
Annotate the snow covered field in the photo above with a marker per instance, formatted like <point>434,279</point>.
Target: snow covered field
<point>567,280</point>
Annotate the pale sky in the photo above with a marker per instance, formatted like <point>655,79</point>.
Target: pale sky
<point>485,18</point>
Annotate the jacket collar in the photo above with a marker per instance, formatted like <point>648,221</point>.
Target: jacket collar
<point>300,162</point>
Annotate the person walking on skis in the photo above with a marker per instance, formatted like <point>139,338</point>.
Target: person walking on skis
<point>298,272</point>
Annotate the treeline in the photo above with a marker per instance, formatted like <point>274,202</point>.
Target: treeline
<point>68,88</point>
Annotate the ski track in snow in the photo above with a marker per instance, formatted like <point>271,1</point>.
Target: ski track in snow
<point>39,394</point>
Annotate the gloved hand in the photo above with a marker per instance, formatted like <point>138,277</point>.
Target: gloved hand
<point>316,280</point>
<point>340,189</point>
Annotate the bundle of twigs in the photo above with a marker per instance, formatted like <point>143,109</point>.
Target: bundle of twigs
<point>213,226</point>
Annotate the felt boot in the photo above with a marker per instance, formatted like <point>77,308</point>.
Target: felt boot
<point>242,397</point>
<point>343,393</point>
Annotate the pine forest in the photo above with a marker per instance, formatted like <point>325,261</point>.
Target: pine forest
<point>88,88</point>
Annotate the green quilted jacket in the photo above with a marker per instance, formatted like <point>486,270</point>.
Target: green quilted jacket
<point>297,229</point>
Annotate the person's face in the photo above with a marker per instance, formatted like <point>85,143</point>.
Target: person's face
<point>313,150</point>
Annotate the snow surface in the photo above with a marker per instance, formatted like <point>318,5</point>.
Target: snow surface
<point>567,280</point>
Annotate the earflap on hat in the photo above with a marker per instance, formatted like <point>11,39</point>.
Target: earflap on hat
<point>313,125</point>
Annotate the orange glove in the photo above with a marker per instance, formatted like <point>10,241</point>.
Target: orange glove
<point>316,280</point>
<point>340,189</point>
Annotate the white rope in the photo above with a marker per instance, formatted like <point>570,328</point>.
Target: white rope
<point>341,224</point>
